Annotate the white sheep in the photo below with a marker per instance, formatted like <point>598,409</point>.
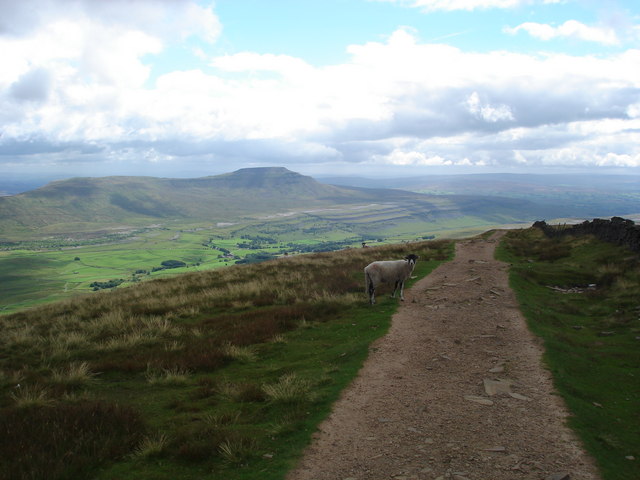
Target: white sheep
<point>389,271</point>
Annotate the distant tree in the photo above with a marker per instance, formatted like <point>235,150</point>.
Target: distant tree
<point>173,264</point>
<point>103,285</point>
<point>256,258</point>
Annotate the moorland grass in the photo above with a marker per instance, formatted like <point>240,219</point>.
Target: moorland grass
<point>220,374</point>
<point>582,297</point>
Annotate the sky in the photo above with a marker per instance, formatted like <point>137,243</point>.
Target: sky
<point>186,88</point>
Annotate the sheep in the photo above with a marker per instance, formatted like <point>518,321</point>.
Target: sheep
<point>389,271</point>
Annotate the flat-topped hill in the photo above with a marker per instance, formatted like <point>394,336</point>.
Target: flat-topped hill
<point>92,204</point>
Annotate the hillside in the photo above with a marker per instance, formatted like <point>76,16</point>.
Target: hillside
<point>228,373</point>
<point>140,200</point>
<point>95,204</point>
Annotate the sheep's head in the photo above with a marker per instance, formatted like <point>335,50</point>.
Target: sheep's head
<point>412,259</point>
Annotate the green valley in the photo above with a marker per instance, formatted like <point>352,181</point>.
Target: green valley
<point>70,236</point>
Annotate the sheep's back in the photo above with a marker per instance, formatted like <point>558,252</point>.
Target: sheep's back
<point>386,270</point>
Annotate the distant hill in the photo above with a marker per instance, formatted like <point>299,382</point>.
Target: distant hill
<point>579,195</point>
<point>90,204</point>
<point>140,200</point>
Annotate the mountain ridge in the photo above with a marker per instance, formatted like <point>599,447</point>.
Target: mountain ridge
<point>142,199</point>
<point>96,203</point>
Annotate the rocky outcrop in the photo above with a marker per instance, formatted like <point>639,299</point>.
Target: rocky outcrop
<point>617,230</point>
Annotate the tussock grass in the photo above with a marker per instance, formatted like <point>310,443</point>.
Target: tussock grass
<point>242,392</point>
<point>278,338</point>
<point>10,379</point>
<point>27,396</point>
<point>290,388</point>
<point>246,354</point>
<point>152,446</point>
<point>221,419</point>
<point>167,376</point>
<point>228,353</point>
<point>130,340</point>
<point>173,345</point>
<point>75,375</point>
<point>21,336</point>
<point>237,450</point>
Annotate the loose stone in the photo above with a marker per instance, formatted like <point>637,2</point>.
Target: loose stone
<point>496,387</point>
<point>519,397</point>
<point>496,449</point>
<point>477,399</point>
<point>558,476</point>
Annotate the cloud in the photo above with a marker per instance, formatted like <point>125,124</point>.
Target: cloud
<point>34,85</point>
<point>400,157</point>
<point>469,5</point>
<point>488,112</point>
<point>569,29</point>
<point>79,80</point>
<point>161,18</point>
<point>285,65</point>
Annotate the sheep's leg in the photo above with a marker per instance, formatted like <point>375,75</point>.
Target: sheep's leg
<point>371,289</point>
<point>395,288</point>
<point>402,290</point>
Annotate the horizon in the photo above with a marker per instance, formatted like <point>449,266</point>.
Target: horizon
<point>14,185</point>
<point>384,88</point>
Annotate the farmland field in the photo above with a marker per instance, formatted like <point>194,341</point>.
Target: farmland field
<point>34,272</point>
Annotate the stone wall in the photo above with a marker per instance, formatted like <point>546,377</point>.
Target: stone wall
<point>617,230</point>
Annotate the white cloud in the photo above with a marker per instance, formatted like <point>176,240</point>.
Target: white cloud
<point>285,65</point>
<point>469,5</point>
<point>404,158</point>
<point>80,80</point>
<point>633,110</point>
<point>569,29</point>
<point>35,85</point>
<point>487,112</point>
<point>88,61</point>
<point>159,18</point>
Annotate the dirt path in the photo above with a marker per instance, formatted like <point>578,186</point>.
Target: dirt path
<point>422,406</point>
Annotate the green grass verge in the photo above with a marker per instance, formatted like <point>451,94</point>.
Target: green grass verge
<point>581,296</point>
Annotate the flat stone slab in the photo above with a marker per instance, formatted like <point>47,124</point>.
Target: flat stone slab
<point>497,387</point>
<point>519,397</point>
<point>478,399</point>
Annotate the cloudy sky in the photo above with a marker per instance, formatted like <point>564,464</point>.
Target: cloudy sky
<point>371,87</point>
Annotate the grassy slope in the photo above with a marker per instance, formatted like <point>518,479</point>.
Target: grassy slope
<point>111,201</point>
<point>219,374</point>
<point>47,270</point>
<point>590,338</point>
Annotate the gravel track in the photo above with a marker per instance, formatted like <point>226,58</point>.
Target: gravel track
<point>455,390</point>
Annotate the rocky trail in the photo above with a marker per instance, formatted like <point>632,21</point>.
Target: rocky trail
<point>456,390</point>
